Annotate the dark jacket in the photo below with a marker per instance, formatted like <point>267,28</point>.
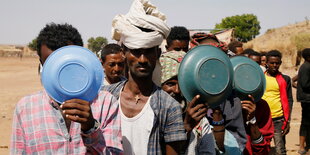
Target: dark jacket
<point>303,83</point>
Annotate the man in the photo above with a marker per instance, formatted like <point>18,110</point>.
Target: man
<point>236,47</point>
<point>263,61</point>
<point>113,62</point>
<point>258,124</point>
<point>227,121</point>
<point>170,62</point>
<point>43,126</point>
<point>247,52</point>
<point>255,56</point>
<point>151,119</point>
<point>178,39</point>
<point>278,95</point>
<point>303,96</point>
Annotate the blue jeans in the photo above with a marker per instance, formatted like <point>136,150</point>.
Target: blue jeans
<point>279,140</point>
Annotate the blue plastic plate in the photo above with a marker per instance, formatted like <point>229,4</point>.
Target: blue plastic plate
<point>248,78</point>
<point>72,72</point>
<point>207,71</point>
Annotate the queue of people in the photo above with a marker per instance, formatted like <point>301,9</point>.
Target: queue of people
<point>133,115</point>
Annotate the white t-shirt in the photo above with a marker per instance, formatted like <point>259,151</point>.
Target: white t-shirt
<point>136,130</point>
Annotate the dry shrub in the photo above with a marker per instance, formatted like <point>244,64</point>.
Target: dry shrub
<point>301,41</point>
<point>281,39</point>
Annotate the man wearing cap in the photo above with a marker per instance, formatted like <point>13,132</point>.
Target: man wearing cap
<point>196,125</point>
<point>151,119</point>
<point>43,126</point>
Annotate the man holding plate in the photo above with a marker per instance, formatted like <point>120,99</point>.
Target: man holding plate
<point>43,126</point>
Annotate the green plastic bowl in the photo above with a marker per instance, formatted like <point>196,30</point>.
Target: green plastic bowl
<point>207,71</point>
<point>248,78</point>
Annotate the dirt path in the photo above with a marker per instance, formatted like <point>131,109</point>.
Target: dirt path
<point>19,78</point>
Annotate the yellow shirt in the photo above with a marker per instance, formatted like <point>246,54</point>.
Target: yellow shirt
<point>272,96</point>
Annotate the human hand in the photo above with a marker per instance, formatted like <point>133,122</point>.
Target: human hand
<point>286,129</point>
<point>78,110</point>
<point>194,113</point>
<point>249,108</point>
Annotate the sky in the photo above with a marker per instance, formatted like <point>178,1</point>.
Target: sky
<point>22,20</point>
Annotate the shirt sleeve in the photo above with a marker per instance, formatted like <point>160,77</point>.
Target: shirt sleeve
<point>107,138</point>
<point>17,137</point>
<point>289,95</point>
<point>303,77</point>
<point>265,126</point>
<point>174,128</point>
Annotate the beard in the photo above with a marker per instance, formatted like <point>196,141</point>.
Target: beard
<point>145,73</point>
<point>177,97</point>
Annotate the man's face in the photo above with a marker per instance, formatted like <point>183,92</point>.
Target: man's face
<point>45,52</point>
<point>263,61</point>
<point>255,58</point>
<point>178,45</point>
<point>273,64</point>
<point>114,66</point>
<point>171,86</point>
<point>239,50</point>
<point>141,62</point>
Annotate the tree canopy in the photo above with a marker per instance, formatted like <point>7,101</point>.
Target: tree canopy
<point>246,26</point>
<point>95,44</point>
<point>33,44</point>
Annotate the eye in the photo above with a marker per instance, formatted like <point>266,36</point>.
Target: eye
<point>170,84</point>
<point>111,64</point>
<point>121,64</point>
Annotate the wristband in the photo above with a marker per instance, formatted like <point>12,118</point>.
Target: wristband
<point>252,121</point>
<point>217,123</point>
<point>259,140</point>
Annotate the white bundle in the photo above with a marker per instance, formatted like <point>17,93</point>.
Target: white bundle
<point>142,14</point>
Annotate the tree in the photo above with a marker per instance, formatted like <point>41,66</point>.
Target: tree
<point>95,44</point>
<point>33,44</point>
<point>246,26</point>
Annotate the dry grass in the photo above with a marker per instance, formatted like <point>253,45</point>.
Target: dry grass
<point>282,39</point>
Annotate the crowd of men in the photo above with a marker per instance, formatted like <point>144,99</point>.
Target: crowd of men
<point>140,108</point>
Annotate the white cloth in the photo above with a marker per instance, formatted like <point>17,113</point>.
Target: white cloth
<point>197,133</point>
<point>263,68</point>
<point>136,130</point>
<point>141,14</point>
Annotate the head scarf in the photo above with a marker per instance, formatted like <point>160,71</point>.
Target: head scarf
<point>200,36</point>
<point>170,63</point>
<point>130,30</point>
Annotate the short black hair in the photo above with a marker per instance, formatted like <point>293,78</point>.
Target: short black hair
<point>55,36</point>
<point>248,51</point>
<point>110,49</point>
<point>274,53</point>
<point>233,45</point>
<point>254,53</point>
<point>305,53</point>
<point>178,33</point>
<point>263,53</point>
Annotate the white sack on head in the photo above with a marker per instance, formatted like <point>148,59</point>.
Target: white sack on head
<point>144,15</point>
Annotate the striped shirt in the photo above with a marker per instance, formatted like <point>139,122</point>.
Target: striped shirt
<point>39,128</point>
<point>167,125</point>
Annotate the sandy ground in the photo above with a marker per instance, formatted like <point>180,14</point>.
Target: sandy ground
<point>19,78</point>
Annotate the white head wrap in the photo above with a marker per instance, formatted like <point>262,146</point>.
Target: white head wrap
<point>144,15</point>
